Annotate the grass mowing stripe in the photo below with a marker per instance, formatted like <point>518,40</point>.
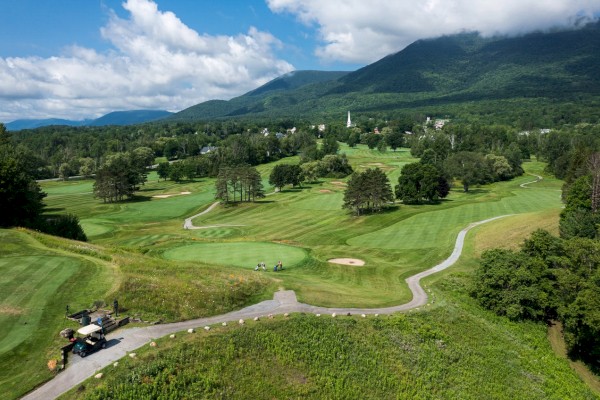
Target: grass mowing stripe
<point>38,284</point>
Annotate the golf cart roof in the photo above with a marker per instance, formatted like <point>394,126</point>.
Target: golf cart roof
<point>86,330</point>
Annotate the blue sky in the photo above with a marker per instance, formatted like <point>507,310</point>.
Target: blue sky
<point>83,58</point>
<point>45,28</point>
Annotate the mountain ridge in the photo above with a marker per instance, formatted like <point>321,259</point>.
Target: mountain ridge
<point>444,72</point>
<point>131,117</point>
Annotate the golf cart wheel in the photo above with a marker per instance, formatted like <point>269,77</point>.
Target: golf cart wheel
<point>82,354</point>
<point>103,345</point>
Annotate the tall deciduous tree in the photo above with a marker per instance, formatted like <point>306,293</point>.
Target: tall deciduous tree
<point>419,182</point>
<point>163,170</point>
<point>330,145</point>
<point>20,195</point>
<point>278,177</point>
<point>394,140</point>
<point>469,167</point>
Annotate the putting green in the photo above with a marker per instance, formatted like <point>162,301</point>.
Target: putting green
<point>239,254</point>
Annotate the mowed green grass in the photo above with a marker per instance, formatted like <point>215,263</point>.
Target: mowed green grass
<point>36,284</point>
<point>433,227</point>
<point>105,222</point>
<point>395,244</point>
<point>239,254</point>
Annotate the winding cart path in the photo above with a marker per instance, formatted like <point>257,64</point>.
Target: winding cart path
<point>122,342</point>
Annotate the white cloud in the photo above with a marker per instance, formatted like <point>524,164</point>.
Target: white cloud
<point>359,31</point>
<point>157,62</point>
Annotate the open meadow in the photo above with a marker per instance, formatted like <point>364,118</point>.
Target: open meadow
<point>162,272</point>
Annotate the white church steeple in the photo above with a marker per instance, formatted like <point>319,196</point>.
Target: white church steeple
<point>349,123</point>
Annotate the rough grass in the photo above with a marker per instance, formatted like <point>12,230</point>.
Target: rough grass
<point>446,353</point>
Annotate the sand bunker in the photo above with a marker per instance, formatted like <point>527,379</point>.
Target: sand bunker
<point>165,196</point>
<point>325,191</point>
<point>347,261</point>
<point>338,183</point>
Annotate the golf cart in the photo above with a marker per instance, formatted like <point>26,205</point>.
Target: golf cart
<point>92,340</point>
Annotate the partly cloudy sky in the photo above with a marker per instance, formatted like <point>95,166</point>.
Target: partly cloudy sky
<point>82,59</point>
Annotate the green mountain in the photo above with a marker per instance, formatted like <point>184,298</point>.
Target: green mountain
<point>129,117</point>
<point>445,74</point>
<point>274,94</point>
<point>114,118</point>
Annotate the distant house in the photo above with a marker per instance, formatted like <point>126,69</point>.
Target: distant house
<point>291,131</point>
<point>265,132</point>
<point>279,135</point>
<point>439,123</point>
<point>207,149</point>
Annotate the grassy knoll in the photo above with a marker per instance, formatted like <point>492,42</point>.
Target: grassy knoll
<point>40,275</point>
<point>36,284</point>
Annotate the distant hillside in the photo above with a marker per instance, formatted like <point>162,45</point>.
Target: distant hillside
<point>19,124</point>
<point>445,74</point>
<point>272,94</point>
<point>113,118</point>
<point>130,117</point>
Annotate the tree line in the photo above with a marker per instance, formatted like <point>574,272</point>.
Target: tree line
<point>21,198</point>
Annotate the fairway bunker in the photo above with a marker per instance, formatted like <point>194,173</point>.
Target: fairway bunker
<point>165,196</point>
<point>347,261</point>
<point>325,191</point>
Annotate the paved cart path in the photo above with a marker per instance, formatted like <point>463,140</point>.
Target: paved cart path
<point>127,340</point>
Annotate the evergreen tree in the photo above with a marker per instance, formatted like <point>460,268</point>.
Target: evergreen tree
<point>368,190</point>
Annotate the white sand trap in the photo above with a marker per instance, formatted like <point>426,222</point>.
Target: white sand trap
<point>325,191</point>
<point>338,183</point>
<point>165,196</point>
<point>347,261</point>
